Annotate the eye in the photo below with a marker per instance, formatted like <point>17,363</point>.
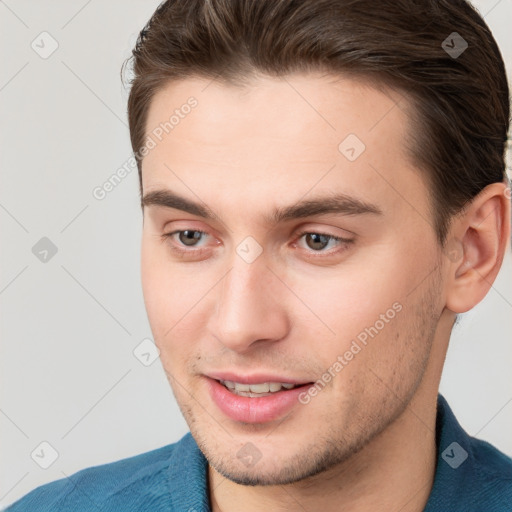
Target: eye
<point>317,242</point>
<point>189,237</point>
<point>186,237</point>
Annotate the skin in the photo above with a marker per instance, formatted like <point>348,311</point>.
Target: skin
<point>366,441</point>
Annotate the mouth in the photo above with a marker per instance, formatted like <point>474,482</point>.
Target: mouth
<point>257,390</point>
<point>259,399</point>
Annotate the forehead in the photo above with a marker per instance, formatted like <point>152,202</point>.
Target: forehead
<point>311,109</point>
<point>280,136</point>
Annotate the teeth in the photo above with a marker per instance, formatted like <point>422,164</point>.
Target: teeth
<point>258,388</point>
<point>263,389</point>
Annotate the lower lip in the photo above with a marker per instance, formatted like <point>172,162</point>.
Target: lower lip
<point>254,410</point>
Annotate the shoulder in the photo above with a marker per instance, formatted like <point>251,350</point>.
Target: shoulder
<point>493,470</point>
<point>471,474</point>
<point>129,484</point>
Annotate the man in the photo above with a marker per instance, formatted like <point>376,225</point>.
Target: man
<point>323,191</point>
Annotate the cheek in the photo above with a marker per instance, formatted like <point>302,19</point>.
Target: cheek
<point>346,301</point>
<point>174,299</point>
<point>164,288</point>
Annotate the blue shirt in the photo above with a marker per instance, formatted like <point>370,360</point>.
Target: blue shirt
<point>471,476</point>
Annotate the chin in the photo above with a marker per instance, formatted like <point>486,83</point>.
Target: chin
<point>273,468</point>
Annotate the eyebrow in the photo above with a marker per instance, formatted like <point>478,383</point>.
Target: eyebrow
<point>335,203</point>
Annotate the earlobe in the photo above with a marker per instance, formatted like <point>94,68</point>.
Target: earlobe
<point>481,236</point>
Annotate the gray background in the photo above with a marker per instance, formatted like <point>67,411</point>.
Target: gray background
<point>70,325</point>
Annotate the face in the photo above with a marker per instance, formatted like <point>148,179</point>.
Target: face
<point>288,268</point>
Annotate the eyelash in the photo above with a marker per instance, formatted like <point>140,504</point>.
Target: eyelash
<point>343,242</point>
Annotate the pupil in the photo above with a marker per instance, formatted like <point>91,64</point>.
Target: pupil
<point>319,241</point>
<point>189,237</point>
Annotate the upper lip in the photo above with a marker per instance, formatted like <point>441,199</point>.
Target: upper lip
<point>255,378</point>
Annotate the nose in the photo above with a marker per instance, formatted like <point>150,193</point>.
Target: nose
<point>250,307</point>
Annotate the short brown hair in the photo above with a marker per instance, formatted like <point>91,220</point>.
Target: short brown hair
<point>460,104</point>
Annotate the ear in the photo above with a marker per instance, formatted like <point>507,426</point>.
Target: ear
<point>475,247</point>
